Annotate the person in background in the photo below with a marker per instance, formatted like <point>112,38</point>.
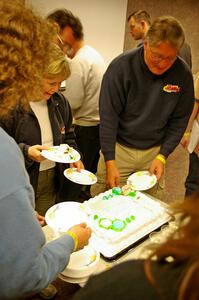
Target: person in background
<point>145,103</point>
<point>192,180</point>
<point>171,272</point>
<point>139,23</point>
<point>27,263</point>
<point>47,123</point>
<point>82,88</point>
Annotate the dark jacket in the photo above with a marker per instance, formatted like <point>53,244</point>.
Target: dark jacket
<point>24,128</point>
<point>127,281</point>
<point>139,109</point>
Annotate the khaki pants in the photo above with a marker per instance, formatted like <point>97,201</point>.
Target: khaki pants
<point>128,161</point>
<point>45,196</point>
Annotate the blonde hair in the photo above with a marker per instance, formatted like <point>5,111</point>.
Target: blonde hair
<point>24,54</point>
<point>166,29</point>
<point>58,65</point>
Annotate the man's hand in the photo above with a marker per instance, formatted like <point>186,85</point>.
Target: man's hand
<point>112,174</point>
<point>157,168</point>
<point>83,233</point>
<point>34,152</point>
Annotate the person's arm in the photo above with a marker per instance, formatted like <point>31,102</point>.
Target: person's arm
<point>33,264</point>
<point>110,108</point>
<point>69,137</point>
<point>185,139</point>
<point>178,121</point>
<point>74,90</point>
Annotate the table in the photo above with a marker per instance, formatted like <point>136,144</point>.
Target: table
<point>141,251</point>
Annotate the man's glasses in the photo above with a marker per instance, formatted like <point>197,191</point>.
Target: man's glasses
<point>159,58</point>
<point>60,39</point>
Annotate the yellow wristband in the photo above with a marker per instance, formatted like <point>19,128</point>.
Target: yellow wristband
<point>186,134</point>
<point>161,158</point>
<point>73,235</point>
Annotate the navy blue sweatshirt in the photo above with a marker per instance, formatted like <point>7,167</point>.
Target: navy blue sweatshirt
<point>139,109</point>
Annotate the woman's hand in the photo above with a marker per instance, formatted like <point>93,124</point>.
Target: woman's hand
<point>78,164</point>
<point>34,152</point>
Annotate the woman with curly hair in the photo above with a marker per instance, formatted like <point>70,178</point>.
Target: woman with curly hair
<point>27,264</point>
<point>47,122</point>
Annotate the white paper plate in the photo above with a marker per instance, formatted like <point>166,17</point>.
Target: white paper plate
<point>60,217</point>
<point>73,280</point>
<point>82,263</point>
<point>142,180</point>
<point>83,177</point>
<point>61,154</point>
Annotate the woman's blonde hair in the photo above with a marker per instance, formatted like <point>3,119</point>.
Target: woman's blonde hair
<point>58,65</point>
<point>24,54</point>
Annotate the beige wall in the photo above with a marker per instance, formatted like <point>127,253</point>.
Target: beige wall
<point>103,21</point>
<point>186,11</point>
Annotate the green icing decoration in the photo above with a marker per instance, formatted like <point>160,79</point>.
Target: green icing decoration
<point>132,194</point>
<point>116,191</point>
<point>105,223</point>
<point>118,225</point>
<point>95,217</point>
<point>132,217</point>
<point>128,220</point>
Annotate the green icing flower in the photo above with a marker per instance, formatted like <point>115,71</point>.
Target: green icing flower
<point>118,225</point>
<point>105,223</point>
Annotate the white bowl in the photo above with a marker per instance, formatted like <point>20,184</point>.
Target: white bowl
<point>60,217</point>
<point>82,263</point>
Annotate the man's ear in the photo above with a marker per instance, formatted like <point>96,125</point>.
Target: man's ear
<point>143,23</point>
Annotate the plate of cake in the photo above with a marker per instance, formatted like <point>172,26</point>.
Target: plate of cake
<point>84,177</point>
<point>142,180</point>
<point>60,217</point>
<point>62,154</point>
<point>82,263</point>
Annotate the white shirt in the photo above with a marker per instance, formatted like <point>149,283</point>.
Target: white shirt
<point>41,111</point>
<point>83,85</point>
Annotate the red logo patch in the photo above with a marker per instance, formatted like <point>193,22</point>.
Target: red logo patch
<point>170,88</point>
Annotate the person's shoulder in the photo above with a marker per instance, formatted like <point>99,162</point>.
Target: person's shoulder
<point>12,167</point>
<point>182,66</point>
<point>126,56</point>
<point>122,62</point>
<point>89,55</point>
<point>7,142</point>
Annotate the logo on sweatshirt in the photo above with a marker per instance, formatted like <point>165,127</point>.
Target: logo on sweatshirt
<point>170,88</point>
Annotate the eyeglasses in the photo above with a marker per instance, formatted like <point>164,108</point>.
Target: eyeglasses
<point>60,39</point>
<point>159,58</point>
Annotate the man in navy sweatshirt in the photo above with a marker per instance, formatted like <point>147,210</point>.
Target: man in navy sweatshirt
<point>146,99</point>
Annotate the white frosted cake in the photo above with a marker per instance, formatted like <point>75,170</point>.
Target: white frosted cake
<point>114,216</point>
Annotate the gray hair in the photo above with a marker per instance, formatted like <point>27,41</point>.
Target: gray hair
<point>166,29</point>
